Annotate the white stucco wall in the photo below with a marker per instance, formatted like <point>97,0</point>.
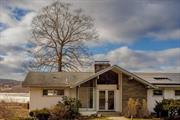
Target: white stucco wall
<point>38,101</point>
<point>168,93</point>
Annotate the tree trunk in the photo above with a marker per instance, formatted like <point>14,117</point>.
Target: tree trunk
<point>59,66</point>
<point>60,60</point>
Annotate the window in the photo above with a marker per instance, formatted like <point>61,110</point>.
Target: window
<point>108,77</point>
<point>53,92</point>
<point>161,78</point>
<point>157,92</point>
<point>86,97</point>
<point>177,92</point>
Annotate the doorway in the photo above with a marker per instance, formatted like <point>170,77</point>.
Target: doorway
<point>106,100</point>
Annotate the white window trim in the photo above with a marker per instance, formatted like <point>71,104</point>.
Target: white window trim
<point>53,90</point>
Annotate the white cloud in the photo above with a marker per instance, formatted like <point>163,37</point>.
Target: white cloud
<point>5,17</point>
<point>122,21</point>
<point>174,34</point>
<point>12,41</point>
<point>26,4</point>
<point>27,19</point>
<point>145,61</point>
<point>127,21</point>
<point>19,34</point>
<point>13,65</point>
<point>117,21</point>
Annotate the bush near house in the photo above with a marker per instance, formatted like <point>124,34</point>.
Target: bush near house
<point>136,109</point>
<point>169,108</point>
<point>42,114</point>
<point>68,109</point>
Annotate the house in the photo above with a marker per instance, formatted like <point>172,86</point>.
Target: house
<point>106,89</point>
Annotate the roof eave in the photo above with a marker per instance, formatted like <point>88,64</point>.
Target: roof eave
<point>42,86</point>
<point>120,69</point>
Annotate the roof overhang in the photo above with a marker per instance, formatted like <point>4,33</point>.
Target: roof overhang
<point>120,70</point>
<point>49,86</point>
<point>168,85</point>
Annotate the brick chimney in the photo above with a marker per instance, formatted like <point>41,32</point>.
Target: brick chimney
<point>100,65</point>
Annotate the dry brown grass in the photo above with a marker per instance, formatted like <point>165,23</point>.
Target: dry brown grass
<point>9,111</point>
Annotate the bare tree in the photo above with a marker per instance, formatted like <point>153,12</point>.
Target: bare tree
<point>59,34</point>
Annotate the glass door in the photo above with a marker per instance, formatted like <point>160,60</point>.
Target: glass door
<point>102,100</point>
<point>106,100</point>
<point>110,100</point>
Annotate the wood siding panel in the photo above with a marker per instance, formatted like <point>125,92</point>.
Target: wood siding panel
<point>132,89</point>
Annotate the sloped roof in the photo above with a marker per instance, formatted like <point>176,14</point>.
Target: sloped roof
<point>117,68</point>
<point>54,79</point>
<point>69,79</point>
<point>163,78</point>
<point>72,79</point>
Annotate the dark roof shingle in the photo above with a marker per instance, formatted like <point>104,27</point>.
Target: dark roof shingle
<point>54,79</point>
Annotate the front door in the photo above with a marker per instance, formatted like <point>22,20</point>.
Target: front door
<point>106,100</point>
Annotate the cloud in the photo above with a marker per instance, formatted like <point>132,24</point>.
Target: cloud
<point>5,17</point>
<point>18,34</point>
<point>126,21</point>
<point>13,48</point>
<point>34,5</point>
<point>123,21</point>
<point>144,61</point>
<point>1,58</point>
<point>14,62</point>
<point>174,34</point>
<point>117,21</point>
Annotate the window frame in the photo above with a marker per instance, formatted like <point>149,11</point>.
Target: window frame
<point>178,92</point>
<point>90,98</point>
<point>158,94</point>
<point>54,93</point>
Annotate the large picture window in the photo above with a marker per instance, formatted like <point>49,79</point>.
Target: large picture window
<point>53,92</point>
<point>109,77</point>
<point>86,97</point>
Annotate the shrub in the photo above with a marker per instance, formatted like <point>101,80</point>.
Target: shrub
<point>144,109</point>
<point>72,106</point>
<point>172,106</point>
<point>58,112</point>
<point>42,114</point>
<point>68,109</point>
<point>158,108</point>
<point>167,106</point>
<point>131,111</point>
<point>136,108</point>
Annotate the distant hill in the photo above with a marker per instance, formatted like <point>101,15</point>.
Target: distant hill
<point>12,86</point>
<point>9,81</point>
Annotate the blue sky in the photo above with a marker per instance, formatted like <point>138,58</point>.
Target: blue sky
<point>130,33</point>
<point>147,44</point>
<point>17,13</point>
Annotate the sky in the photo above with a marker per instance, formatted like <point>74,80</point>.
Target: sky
<point>138,35</point>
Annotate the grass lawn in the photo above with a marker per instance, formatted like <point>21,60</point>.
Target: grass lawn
<point>13,110</point>
<point>116,118</point>
<point>101,118</point>
<point>142,119</point>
